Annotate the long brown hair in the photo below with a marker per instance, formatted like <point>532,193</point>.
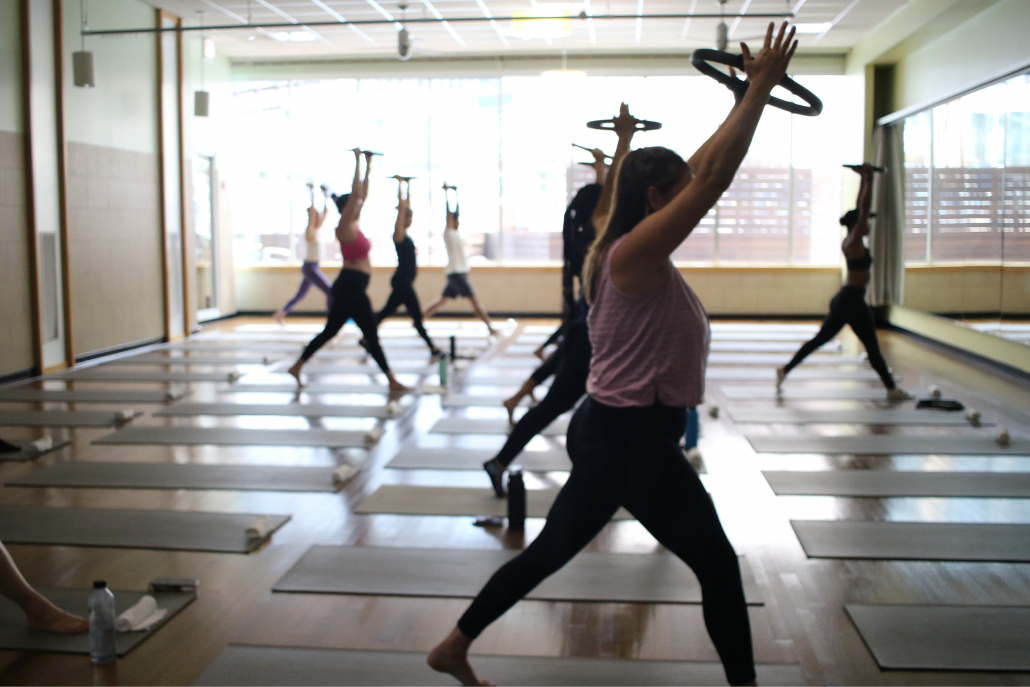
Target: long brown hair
<point>640,170</point>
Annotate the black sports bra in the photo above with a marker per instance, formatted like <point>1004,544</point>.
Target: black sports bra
<point>861,264</point>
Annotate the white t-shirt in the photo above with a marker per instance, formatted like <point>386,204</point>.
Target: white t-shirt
<point>457,263</point>
<point>313,251</point>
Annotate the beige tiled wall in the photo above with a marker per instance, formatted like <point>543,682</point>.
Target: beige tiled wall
<point>114,234</point>
<point>16,354</point>
<point>970,289</point>
<point>723,290</point>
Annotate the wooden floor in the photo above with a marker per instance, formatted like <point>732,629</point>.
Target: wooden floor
<point>803,619</point>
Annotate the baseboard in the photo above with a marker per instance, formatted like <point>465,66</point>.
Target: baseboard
<point>13,377</point>
<point>114,350</point>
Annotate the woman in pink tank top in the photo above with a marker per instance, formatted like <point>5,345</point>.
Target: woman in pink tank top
<point>650,340</point>
<point>350,290</point>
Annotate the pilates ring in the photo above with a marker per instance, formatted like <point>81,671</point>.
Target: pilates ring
<point>398,177</point>
<point>882,170</point>
<point>590,150</point>
<point>609,125</point>
<point>369,152</point>
<point>703,56</point>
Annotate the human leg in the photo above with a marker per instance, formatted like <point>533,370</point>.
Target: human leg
<point>832,325</point>
<point>433,307</point>
<point>860,319</point>
<point>366,321</point>
<point>40,613</point>
<point>319,281</point>
<point>481,313</point>
<point>414,308</point>
<point>338,316</point>
<point>541,373</point>
<point>392,303</point>
<point>305,286</point>
<point>666,496</point>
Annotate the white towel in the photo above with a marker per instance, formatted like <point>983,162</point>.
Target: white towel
<point>393,408</point>
<point>260,527</point>
<point>373,436</point>
<point>343,475</point>
<point>124,415</point>
<point>144,615</point>
<point>43,444</point>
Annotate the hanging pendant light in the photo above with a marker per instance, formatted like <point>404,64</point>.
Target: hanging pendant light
<point>82,61</point>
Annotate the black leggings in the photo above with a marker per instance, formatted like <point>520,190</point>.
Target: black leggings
<point>547,368</point>
<point>631,457</point>
<point>350,302</point>
<point>404,294</point>
<point>848,307</point>
<point>570,383</point>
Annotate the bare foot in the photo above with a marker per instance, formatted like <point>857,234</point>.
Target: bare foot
<point>451,656</point>
<point>398,388</point>
<point>50,618</point>
<point>540,353</point>
<point>511,404</point>
<point>280,317</point>
<point>295,371</point>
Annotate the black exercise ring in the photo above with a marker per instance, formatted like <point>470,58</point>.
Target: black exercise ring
<point>609,125</point>
<point>702,57</point>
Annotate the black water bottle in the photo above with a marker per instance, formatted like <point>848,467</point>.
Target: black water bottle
<point>516,500</point>
<point>454,347</point>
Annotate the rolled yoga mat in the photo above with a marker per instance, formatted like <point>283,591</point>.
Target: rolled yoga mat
<point>914,541</point>
<point>885,445</point>
<point>64,418</point>
<point>407,499</point>
<point>972,638</point>
<point>15,635</point>
<point>269,665</point>
<point>30,450</point>
<point>313,388</point>
<point>387,571</point>
<point>129,528</point>
<point>415,458</point>
<point>101,374</point>
<point>286,409</point>
<point>23,395</point>
<point>893,483</point>
<point>751,392</point>
<point>858,416</point>
<point>235,436</point>
<point>467,425</point>
<point>179,476</point>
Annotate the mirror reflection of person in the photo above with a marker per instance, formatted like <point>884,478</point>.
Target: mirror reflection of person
<point>848,307</point>
<point>458,284</point>
<point>40,613</point>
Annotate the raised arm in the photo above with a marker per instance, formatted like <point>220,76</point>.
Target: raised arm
<point>863,204</point>
<point>314,217</point>
<point>451,223</point>
<point>368,170</point>
<point>600,166</point>
<point>320,216</point>
<point>400,227</point>
<point>345,230</point>
<point>625,126</point>
<point>639,266</point>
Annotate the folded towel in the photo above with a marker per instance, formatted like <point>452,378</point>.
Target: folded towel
<point>260,527</point>
<point>393,408</point>
<point>343,475</point>
<point>124,415</point>
<point>42,444</point>
<point>373,436</point>
<point>233,376</point>
<point>144,615</point>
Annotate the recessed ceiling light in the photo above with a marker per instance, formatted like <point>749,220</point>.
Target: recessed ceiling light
<point>541,21</point>
<point>293,36</point>
<point>813,28</point>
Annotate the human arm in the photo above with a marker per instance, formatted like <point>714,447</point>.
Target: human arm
<point>863,204</point>
<point>345,229</point>
<point>400,227</point>
<point>311,233</point>
<point>640,264</point>
<point>625,125</point>
<point>368,170</point>
<point>600,167</point>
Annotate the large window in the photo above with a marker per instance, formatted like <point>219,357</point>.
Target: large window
<point>505,142</point>
<point>967,175</point>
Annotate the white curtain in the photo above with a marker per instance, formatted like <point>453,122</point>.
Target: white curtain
<point>887,237</point>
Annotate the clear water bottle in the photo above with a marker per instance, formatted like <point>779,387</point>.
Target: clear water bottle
<point>102,647</point>
<point>516,500</point>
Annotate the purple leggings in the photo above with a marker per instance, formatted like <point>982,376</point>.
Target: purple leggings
<point>312,275</point>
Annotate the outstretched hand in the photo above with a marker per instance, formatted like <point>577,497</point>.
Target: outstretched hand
<point>768,68</point>
<point>625,125</point>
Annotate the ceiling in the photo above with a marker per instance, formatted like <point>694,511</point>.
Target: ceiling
<point>850,20</point>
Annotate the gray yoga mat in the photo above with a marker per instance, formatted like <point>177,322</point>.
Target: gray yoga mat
<point>467,425</point>
<point>797,338</point>
<point>857,416</point>
<point>63,418</point>
<point>234,348</point>
<point>882,445</point>
<point>270,665</point>
<point>914,541</point>
<point>290,409</point>
<point>160,359</point>
<point>28,451</point>
<point>530,363</point>
<point>973,638</point>
<point>763,373</point>
<point>397,366</point>
<point>129,528</point>
<point>752,392</point>
<point>16,636</point>
<point>387,571</point>
<point>831,348</point>
<point>466,400</point>
<point>234,436</point>
<point>179,476</point>
<point>512,380</point>
<point>312,388</point>
<point>22,395</point>
<point>892,483</point>
<point>407,499</point>
<point>101,374</point>
<point>415,458</point>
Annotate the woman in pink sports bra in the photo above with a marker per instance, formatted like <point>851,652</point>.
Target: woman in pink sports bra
<point>650,344</point>
<point>350,290</point>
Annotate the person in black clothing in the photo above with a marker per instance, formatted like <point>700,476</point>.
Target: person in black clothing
<point>404,277</point>
<point>849,306</point>
<point>571,362</point>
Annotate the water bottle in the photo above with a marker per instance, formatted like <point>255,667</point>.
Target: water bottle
<point>443,372</point>
<point>516,500</point>
<point>102,647</point>
<point>454,347</point>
